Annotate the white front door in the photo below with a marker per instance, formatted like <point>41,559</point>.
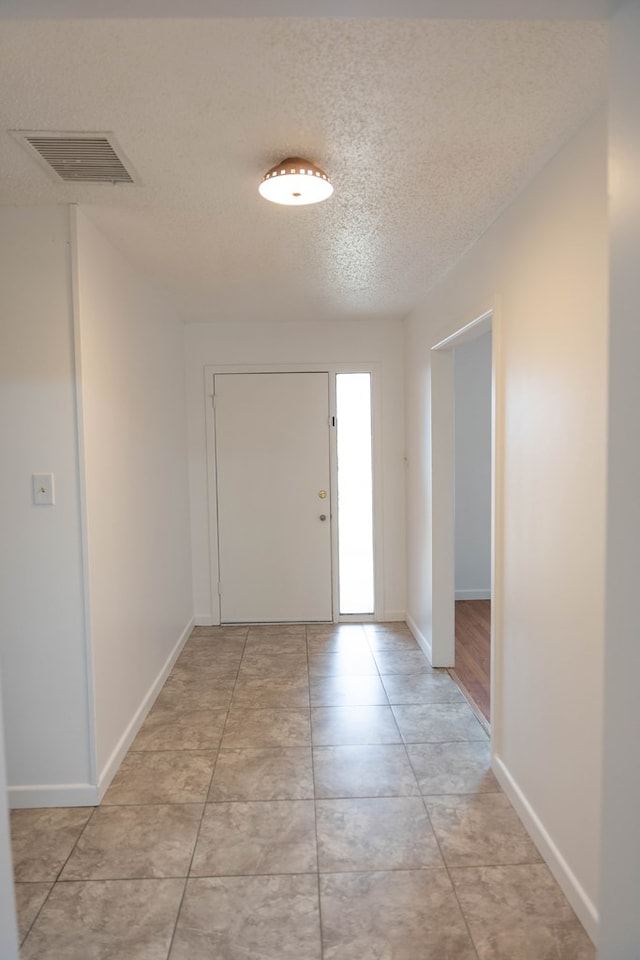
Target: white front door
<point>272,465</point>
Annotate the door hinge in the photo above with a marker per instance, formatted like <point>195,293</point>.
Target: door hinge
<point>213,400</point>
<point>219,589</point>
<point>332,421</point>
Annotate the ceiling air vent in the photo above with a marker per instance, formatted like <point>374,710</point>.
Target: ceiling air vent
<point>78,157</point>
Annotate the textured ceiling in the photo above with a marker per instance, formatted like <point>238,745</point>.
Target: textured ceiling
<point>427,128</point>
<point>444,9</point>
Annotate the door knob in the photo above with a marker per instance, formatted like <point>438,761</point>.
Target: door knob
<point>323,516</point>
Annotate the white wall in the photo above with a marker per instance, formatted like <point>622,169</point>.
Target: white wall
<point>545,259</point>
<point>135,450</point>
<point>270,343</point>
<point>472,454</point>
<point>42,648</point>
<point>620,875</point>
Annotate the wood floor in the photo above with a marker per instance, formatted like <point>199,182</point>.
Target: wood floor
<point>473,651</point>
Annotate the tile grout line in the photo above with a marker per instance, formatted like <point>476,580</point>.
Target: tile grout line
<point>58,875</point>
<point>77,841</point>
<point>295,873</point>
<point>455,892</point>
<point>204,807</point>
<point>315,805</point>
<point>23,940</point>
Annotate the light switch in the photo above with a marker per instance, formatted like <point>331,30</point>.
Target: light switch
<point>43,489</point>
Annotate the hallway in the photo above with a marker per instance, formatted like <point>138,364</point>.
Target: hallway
<point>296,793</point>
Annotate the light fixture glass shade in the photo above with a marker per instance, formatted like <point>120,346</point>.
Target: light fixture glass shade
<point>295,182</point>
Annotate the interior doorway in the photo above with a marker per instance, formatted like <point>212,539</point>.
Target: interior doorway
<point>472,363</point>
<point>464,643</point>
<point>472,671</point>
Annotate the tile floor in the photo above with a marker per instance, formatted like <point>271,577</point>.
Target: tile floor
<point>296,793</point>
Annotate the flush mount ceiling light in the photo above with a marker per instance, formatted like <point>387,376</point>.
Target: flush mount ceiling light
<point>295,182</point>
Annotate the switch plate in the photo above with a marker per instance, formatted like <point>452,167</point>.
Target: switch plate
<point>43,489</point>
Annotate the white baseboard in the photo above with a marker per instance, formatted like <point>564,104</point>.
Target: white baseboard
<point>390,616</point>
<point>393,616</point>
<point>568,882</point>
<point>423,642</point>
<point>111,767</point>
<point>88,794</point>
<point>53,795</point>
<point>473,594</point>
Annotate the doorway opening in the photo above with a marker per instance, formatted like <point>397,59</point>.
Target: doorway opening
<point>472,519</point>
<point>462,509</point>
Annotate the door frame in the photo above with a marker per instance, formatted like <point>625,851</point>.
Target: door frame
<point>373,368</point>
<point>442,501</point>
<point>8,916</point>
